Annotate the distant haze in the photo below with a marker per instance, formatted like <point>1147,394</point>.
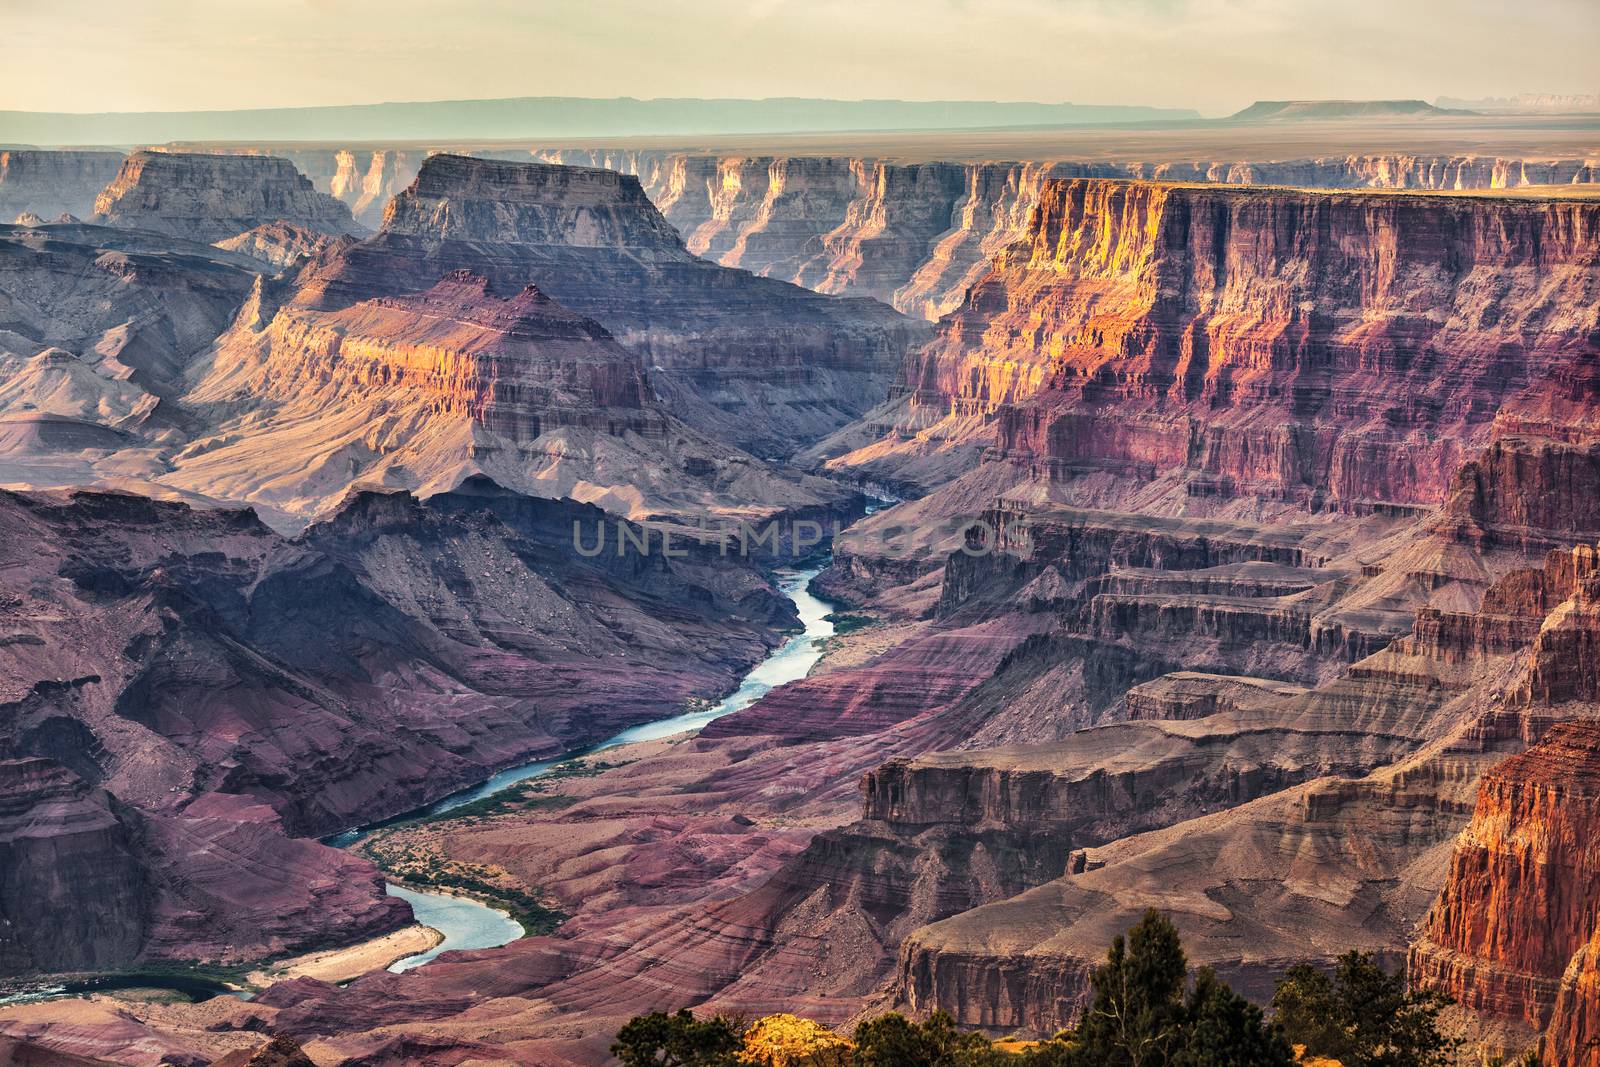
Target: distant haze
<point>1214,55</point>
<point>555,117</point>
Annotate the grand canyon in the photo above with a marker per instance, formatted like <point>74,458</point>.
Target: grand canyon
<point>475,574</point>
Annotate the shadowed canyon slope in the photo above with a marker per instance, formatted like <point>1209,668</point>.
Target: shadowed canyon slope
<point>186,688</point>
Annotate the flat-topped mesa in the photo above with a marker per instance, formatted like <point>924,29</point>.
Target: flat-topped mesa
<point>215,197</point>
<point>470,199</point>
<point>50,183</point>
<point>1522,899</point>
<point>1322,348</point>
<point>1325,110</point>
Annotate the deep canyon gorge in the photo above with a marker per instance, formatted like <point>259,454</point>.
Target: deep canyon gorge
<point>1218,531</point>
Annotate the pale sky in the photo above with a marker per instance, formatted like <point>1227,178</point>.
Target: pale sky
<point>1214,55</point>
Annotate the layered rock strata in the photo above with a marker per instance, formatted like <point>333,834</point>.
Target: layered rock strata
<point>423,390</point>
<point>1296,346</point>
<point>1520,902</point>
<point>756,361</point>
<point>913,234</point>
<point>214,197</point>
<point>50,184</point>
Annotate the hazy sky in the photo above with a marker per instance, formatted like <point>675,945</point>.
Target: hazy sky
<point>1215,55</point>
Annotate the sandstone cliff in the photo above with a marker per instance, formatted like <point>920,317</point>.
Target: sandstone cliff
<point>913,234</point>
<point>1573,1039</point>
<point>1522,898</point>
<point>213,197</point>
<point>916,235</point>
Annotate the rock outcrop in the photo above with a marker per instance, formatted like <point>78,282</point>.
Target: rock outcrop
<point>99,327</point>
<point>1573,1037</point>
<point>277,244</point>
<point>756,361</point>
<point>215,197</point>
<point>1521,903</point>
<point>49,184</point>
<point>423,390</point>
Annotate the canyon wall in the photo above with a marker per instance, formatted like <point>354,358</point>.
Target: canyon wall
<point>1321,349</point>
<point>51,184</point>
<point>915,235</point>
<point>1521,902</point>
<point>1522,898</point>
<point>214,197</point>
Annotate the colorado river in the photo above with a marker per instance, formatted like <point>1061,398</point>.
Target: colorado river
<point>467,924</point>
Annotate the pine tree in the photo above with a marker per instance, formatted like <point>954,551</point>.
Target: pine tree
<point>1363,1016</point>
<point>680,1040</point>
<point>1135,1014</point>
<point>1222,1029</point>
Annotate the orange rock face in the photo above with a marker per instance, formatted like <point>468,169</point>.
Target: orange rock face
<point>1315,347</point>
<point>1523,893</point>
<point>1573,1039</point>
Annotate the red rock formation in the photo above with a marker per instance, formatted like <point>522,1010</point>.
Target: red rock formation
<point>1150,329</point>
<point>917,235</point>
<point>1573,1039</point>
<point>213,197</point>
<point>913,234</point>
<point>1522,898</point>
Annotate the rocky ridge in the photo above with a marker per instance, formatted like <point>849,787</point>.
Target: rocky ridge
<point>912,234</point>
